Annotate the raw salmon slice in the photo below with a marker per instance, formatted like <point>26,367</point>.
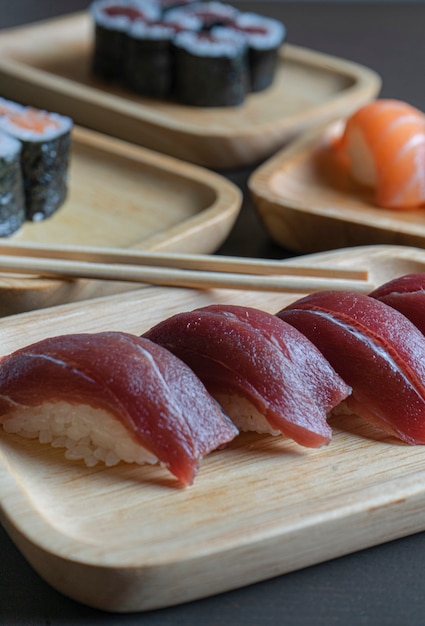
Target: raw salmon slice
<point>384,147</point>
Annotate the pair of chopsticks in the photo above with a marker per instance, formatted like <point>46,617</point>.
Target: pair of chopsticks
<point>200,271</point>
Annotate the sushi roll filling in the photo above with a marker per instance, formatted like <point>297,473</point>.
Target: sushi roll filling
<point>210,13</point>
<point>128,12</point>
<point>262,33</point>
<point>120,15</point>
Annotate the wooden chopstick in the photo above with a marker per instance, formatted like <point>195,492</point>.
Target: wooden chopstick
<point>204,262</point>
<point>110,264</point>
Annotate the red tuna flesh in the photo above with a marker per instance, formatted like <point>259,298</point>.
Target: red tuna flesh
<point>407,295</point>
<point>376,350</point>
<point>326,386</point>
<point>253,355</point>
<point>159,400</point>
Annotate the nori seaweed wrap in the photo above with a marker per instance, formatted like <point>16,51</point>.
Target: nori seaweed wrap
<point>210,68</point>
<point>45,139</point>
<point>264,37</point>
<point>12,202</point>
<point>149,59</point>
<point>112,20</point>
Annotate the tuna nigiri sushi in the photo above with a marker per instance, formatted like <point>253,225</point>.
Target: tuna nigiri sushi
<point>111,396</point>
<point>376,350</point>
<point>407,295</point>
<point>267,376</point>
<point>383,145</point>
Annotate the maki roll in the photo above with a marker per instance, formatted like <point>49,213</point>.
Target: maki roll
<point>45,140</point>
<point>172,48</point>
<point>210,68</point>
<point>264,37</point>
<point>112,20</point>
<point>12,203</point>
<point>149,59</point>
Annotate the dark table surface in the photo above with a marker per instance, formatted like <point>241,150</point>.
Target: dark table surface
<point>383,585</point>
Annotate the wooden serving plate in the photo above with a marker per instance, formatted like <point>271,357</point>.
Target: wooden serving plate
<point>47,64</point>
<point>129,539</point>
<point>124,196</point>
<point>308,205</point>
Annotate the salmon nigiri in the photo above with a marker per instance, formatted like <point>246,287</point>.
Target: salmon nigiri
<point>384,146</point>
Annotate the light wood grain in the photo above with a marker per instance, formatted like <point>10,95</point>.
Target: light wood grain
<point>47,64</point>
<point>308,205</point>
<point>128,197</point>
<point>128,539</point>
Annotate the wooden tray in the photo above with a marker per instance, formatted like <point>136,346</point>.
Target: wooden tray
<point>128,539</point>
<point>308,206</point>
<point>48,64</point>
<point>124,196</point>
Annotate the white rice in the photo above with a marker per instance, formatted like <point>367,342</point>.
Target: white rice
<point>88,434</point>
<point>272,35</point>
<point>57,125</point>
<point>244,415</point>
<point>9,106</point>
<point>149,10</point>
<point>218,10</point>
<point>165,29</point>
<point>224,42</point>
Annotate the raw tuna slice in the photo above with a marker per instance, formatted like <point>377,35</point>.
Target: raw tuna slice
<point>112,390</point>
<point>407,295</point>
<point>267,377</point>
<point>376,350</point>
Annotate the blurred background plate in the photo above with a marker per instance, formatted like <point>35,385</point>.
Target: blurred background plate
<point>47,64</point>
